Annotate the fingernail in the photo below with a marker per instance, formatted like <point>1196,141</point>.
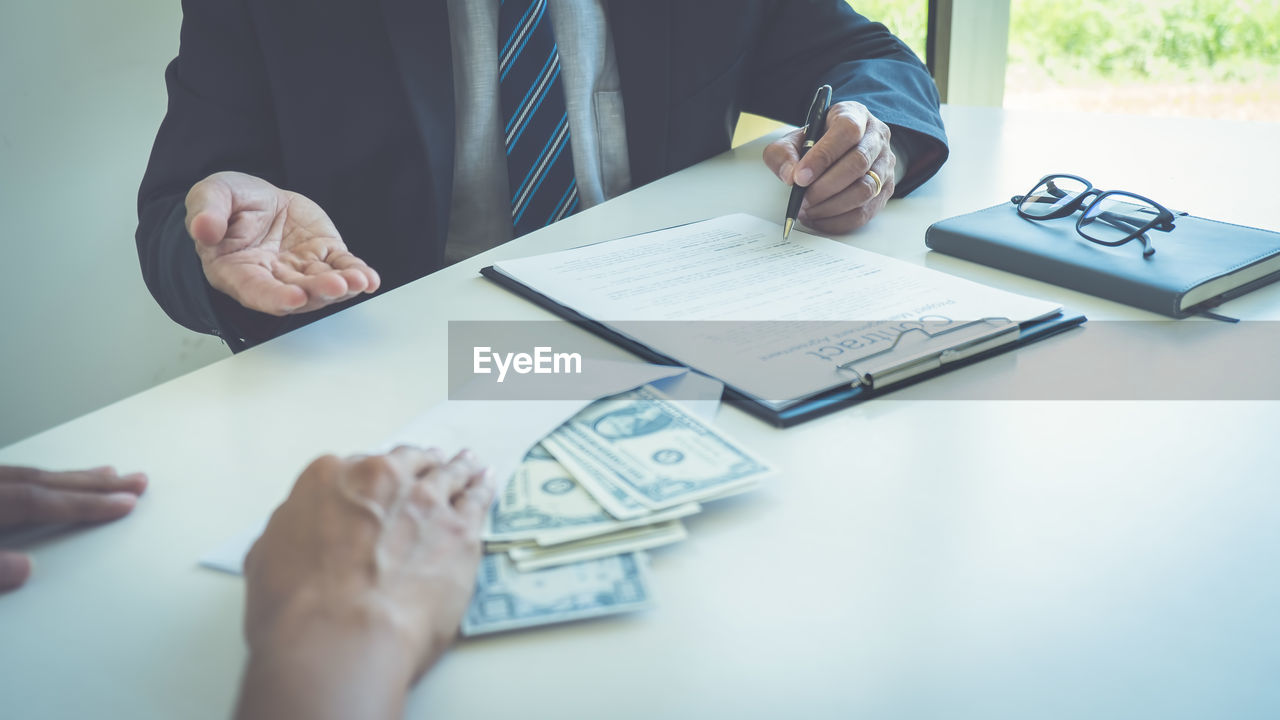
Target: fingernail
<point>140,478</point>
<point>804,176</point>
<point>15,570</point>
<point>785,171</point>
<point>122,498</point>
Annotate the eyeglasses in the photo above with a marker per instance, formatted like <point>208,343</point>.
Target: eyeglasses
<point>1113,218</point>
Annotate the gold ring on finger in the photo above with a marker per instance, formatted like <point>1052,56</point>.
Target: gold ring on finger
<point>879,183</point>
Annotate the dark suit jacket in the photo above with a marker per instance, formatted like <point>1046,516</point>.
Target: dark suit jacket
<point>350,102</point>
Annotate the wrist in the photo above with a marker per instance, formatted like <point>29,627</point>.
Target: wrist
<point>317,660</point>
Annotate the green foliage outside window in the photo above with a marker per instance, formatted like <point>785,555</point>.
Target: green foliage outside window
<point>1122,39</point>
<point>1216,58</point>
<point>1141,39</point>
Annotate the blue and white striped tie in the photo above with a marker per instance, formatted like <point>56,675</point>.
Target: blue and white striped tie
<point>539,160</point>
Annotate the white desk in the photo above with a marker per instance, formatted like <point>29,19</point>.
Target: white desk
<point>917,558</point>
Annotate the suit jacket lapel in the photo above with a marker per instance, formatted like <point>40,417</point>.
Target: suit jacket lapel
<point>641,40</point>
<point>419,33</point>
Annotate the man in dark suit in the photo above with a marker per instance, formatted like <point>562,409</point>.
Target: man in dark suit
<point>317,151</point>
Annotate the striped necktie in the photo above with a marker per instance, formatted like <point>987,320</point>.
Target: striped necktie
<point>539,160</point>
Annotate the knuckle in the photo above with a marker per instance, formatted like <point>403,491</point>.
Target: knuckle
<point>375,465</point>
<point>375,477</point>
<point>425,495</point>
<point>848,111</point>
<point>824,157</point>
<point>466,534</point>
<point>326,462</point>
<point>852,118</point>
<point>863,157</point>
<point>406,449</point>
<point>195,191</point>
<point>321,469</point>
<point>774,161</point>
<point>23,499</point>
<point>455,527</point>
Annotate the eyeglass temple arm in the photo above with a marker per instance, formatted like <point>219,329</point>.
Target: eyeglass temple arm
<point>1051,188</point>
<point>1116,219</point>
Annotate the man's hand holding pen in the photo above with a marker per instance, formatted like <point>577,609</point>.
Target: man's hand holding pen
<point>848,173</point>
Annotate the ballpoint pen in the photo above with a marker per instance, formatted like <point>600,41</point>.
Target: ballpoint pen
<point>814,125</point>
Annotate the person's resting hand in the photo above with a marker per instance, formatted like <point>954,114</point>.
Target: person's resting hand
<point>271,250</point>
<point>30,497</point>
<point>359,583</point>
<point>841,196</point>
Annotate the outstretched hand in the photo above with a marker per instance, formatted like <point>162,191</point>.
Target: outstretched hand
<point>271,250</point>
<point>842,195</point>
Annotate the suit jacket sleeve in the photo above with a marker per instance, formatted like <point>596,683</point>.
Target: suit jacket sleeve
<point>219,118</point>
<point>809,43</point>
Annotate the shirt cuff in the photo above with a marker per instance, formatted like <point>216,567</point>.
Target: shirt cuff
<point>904,162</point>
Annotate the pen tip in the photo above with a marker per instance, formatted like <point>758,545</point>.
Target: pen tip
<point>786,229</point>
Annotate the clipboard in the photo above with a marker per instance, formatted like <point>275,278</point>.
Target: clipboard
<point>983,345</point>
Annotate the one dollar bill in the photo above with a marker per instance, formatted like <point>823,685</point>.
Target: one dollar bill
<point>529,558</point>
<point>638,452</point>
<point>506,599</point>
<point>543,502</point>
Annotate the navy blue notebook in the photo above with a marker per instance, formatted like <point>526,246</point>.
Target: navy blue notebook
<point>1198,265</point>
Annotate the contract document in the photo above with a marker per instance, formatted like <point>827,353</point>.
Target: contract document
<point>781,321</point>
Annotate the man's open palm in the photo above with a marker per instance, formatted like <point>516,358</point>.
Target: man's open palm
<point>271,250</point>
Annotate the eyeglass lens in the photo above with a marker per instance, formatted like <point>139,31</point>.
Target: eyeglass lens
<point>1051,195</point>
<point>1116,216</point>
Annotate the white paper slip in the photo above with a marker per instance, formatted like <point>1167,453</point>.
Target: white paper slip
<point>228,557</point>
<point>770,317</point>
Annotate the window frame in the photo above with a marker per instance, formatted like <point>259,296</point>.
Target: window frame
<point>967,50</point>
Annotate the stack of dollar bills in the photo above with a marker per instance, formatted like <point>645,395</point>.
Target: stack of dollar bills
<point>565,538</point>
